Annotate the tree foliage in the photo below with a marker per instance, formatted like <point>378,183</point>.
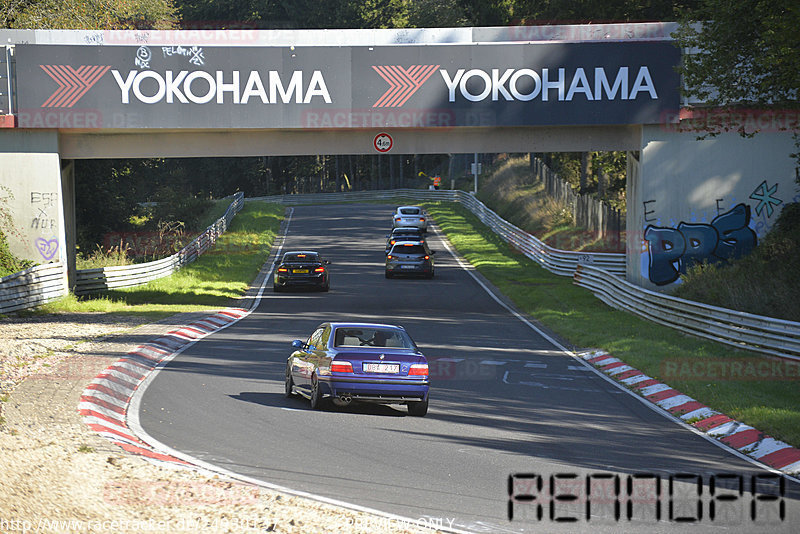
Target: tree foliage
<point>744,53</point>
<point>88,14</point>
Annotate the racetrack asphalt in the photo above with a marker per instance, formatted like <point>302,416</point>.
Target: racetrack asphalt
<point>510,412</point>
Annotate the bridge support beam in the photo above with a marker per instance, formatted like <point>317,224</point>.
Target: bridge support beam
<point>33,192</point>
<point>693,200</point>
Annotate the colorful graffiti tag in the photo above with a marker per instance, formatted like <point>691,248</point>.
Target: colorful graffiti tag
<point>672,251</point>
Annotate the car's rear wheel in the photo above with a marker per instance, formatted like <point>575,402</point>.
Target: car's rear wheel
<point>388,274</point>
<point>289,384</point>
<point>316,394</point>
<point>418,409</point>
<point>276,289</point>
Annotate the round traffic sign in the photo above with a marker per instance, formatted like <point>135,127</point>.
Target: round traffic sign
<point>382,142</point>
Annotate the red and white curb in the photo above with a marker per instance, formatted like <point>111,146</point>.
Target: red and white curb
<point>105,402</point>
<point>736,435</point>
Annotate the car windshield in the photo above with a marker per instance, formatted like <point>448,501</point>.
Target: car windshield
<point>408,248</point>
<point>298,257</point>
<point>372,337</point>
<point>409,211</point>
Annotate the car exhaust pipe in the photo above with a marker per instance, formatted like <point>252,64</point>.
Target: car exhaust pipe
<point>346,399</point>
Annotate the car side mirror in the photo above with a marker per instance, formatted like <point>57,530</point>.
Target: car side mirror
<point>433,252</point>
<point>298,344</point>
<point>277,262</point>
<point>327,262</point>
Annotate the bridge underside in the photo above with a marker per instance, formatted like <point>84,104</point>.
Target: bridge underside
<point>152,143</point>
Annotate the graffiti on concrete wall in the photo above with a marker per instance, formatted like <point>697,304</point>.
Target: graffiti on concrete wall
<point>44,219</point>
<point>47,247</point>
<point>672,251</point>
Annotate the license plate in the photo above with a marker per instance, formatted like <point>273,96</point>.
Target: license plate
<point>386,368</point>
<point>408,266</point>
<point>300,271</point>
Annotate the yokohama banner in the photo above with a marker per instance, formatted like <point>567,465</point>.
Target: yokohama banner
<point>207,87</point>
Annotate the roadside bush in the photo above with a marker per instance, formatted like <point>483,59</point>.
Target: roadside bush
<point>9,264</point>
<point>766,282</point>
<point>177,208</point>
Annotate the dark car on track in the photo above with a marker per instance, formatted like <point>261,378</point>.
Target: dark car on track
<point>410,257</point>
<point>301,269</point>
<point>404,234</point>
<point>362,362</point>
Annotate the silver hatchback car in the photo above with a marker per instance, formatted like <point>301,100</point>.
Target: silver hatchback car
<point>410,216</point>
<point>410,257</point>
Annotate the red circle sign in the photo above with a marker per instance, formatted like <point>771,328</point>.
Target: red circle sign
<point>382,142</point>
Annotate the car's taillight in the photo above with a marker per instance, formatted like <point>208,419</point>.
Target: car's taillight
<point>319,270</point>
<point>342,367</point>
<point>389,257</point>
<point>422,219</point>
<point>427,257</point>
<point>418,369</point>
<point>283,270</point>
<point>397,218</point>
<point>392,242</point>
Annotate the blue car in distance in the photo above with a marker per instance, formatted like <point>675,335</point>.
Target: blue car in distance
<point>363,362</point>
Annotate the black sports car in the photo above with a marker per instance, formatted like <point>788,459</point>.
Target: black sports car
<point>301,269</point>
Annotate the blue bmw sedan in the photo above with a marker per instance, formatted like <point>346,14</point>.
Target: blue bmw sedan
<point>363,362</point>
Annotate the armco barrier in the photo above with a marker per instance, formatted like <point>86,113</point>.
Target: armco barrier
<point>561,262</point>
<point>737,329</point>
<point>105,278</point>
<point>32,287</point>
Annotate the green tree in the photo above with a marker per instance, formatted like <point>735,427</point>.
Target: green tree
<point>88,14</point>
<point>745,53</point>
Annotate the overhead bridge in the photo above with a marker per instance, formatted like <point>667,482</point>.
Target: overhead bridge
<point>68,95</point>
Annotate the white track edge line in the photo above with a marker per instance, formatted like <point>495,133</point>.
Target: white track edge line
<point>641,399</point>
<point>132,420</point>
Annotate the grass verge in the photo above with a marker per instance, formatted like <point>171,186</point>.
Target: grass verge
<point>770,404</point>
<point>216,279</point>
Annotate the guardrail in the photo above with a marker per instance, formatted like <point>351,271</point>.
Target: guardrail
<point>742,330</point>
<point>105,278</point>
<point>32,287</point>
<point>561,262</point>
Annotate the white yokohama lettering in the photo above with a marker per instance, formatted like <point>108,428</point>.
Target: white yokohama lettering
<point>200,87</point>
<point>527,84</point>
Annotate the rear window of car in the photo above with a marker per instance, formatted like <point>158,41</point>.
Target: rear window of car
<point>407,234</point>
<point>410,211</point>
<point>372,337</point>
<point>299,257</point>
<point>408,249</point>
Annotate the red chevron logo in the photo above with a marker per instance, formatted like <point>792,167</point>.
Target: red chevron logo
<point>402,83</point>
<point>72,83</point>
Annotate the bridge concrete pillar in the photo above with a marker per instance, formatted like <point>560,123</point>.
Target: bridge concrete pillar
<point>692,200</point>
<point>33,191</point>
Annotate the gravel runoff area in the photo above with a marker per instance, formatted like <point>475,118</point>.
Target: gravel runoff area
<point>56,475</point>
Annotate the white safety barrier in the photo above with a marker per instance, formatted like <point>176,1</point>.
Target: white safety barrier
<point>561,262</point>
<point>32,287</point>
<point>738,329</point>
<point>105,278</point>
